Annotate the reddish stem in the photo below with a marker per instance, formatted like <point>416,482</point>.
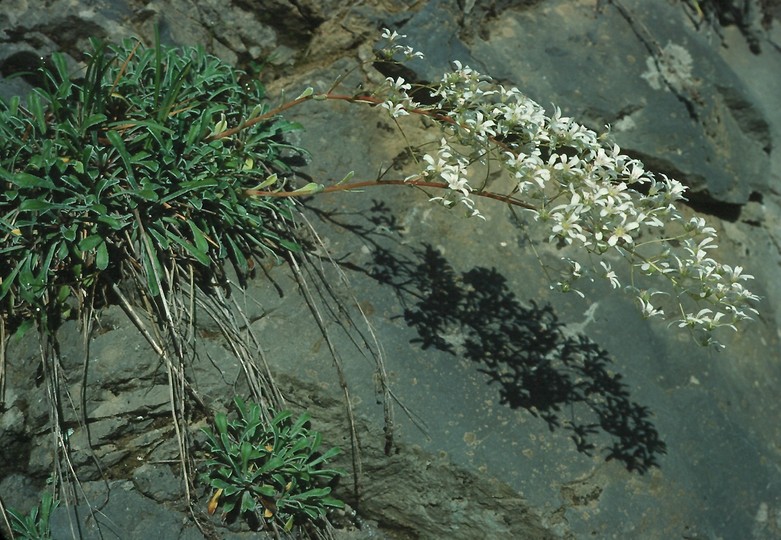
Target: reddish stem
<point>258,119</point>
<point>338,97</point>
<point>371,183</point>
<point>356,185</point>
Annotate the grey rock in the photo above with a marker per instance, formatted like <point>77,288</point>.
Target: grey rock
<point>15,439</point>
<point>40,459</point>
<point>436,30</point>
<point>66,24</point>
<point>118,359</point>
<point>12,421</point>
<point>126,514</point>
<point>152,400</point>
<point>158,482</point>
<point>705,130</point>
<point>96,433</point>
<point>20,492</point>
<point>147,439</point>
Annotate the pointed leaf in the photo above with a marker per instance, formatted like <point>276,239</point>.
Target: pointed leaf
<point>199,238</point>
<point>221,423</point>
<point>266,490</point>
<point>37,205</point>
<point>306,93</point>
<point>246,454</point>
<point>90,242</point>
<point>199,255</point>
<point>92,120</point>
<point>151,268</point>
<point>119,144</point>
<point>267,182</point>
<point>25,180</point>
<point>310,189</point>
<point>247,502</point>
<point>331,502</point>
<point>298,426</point>
<point>347,177</point>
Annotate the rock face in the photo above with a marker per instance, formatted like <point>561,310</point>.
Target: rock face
<point>501,439</point>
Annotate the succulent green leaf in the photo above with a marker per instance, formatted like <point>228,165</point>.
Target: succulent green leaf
<point>199,255</point>
<point>25,180</point>
<point>267,490</point>
<point>111,221</point>
<point>310,189</point>
<point>37,205</point>
<point>221,423</point>
<point>116,140</point>
<point>92,120</point>
<point>34,103</point>
<point>247,502</point>
<point>101,258</point>
<point>91,242</point>
<point>199,238</point>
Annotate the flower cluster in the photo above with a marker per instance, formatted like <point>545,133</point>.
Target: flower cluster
<point>394,51</point>
<point>453,169</point>
<point>396,100</point>
<point>582,188</point>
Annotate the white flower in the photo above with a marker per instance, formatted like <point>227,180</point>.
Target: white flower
<point>399,84</point>
<point>456,182</point>
<point>482,126</point>
<point>735,274</point>
<point>567,218</point>
<point>621,232</point>
<point>435,165</point>
<point>410,53</point>
<point>649,310</point>
<point>691,320</point>
<point>635,174</point>
<point>700,226</point>
<point>648,219</point>
<point>610,275</point>
<point>396,109</point>
<point>391,36</point>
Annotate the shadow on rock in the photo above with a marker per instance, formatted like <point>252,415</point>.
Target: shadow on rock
<point>537,363</point>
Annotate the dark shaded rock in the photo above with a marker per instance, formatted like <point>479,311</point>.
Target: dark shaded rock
<point>64,25</point>
<point>14,439</point>
<point>20,492</point>
<point>126,514</point>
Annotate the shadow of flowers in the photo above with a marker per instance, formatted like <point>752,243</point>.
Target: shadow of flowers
<point>536,362</point>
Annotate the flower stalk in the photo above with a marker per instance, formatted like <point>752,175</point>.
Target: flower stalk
<point>577,184</point>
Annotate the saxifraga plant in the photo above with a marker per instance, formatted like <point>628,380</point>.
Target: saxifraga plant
<point>115,189</point>
<point>116,176</point>
<point>271,473</point>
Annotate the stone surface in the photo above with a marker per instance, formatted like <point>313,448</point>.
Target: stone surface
<point>700,126</point>
<point>124,514</point>
<point>158,482</point>
<point>499,439</point>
